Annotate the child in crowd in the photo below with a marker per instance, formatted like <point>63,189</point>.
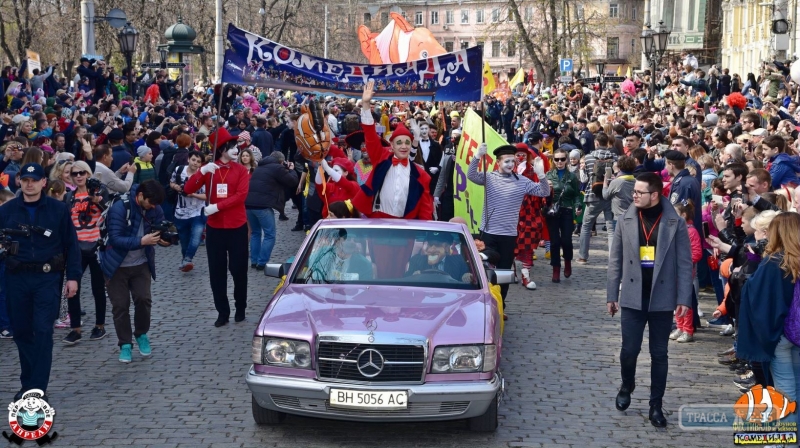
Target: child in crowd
<point>57,189</point>
<point>5,322</point>
<point>685,323</point>
<point>144,165</point>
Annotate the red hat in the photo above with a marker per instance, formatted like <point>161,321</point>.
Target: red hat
<point>525,148</point>
<point>336,152</point>
<point>401,129</point>
<point>224,137</point>
<point>345,164</point>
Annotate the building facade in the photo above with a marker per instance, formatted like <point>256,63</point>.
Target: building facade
<point>748,39</point>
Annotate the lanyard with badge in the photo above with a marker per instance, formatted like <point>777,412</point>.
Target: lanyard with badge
<point>222,188</point>
<point>647,253</point>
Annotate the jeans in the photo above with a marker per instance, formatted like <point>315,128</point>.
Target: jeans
<point>190,232</point>
<point>590,214</point>
<point>130,281</point>
<point>227,250</point>
<point>169,210</point>
<point>660,324</point>
<point>33,302</point>
<point>98,291</point>
<point>786,372</point>
<point>262,234</point>
<point>560,228</point>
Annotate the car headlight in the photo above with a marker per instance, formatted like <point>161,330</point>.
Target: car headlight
<point>282,352</point>
<point>463,359</point>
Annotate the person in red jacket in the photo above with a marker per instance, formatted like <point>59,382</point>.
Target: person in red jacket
<point>226,232</point>
<point>396,187</point>
<point>340,182</point>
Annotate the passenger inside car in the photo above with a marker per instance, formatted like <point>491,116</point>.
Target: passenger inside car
<point>436,257</point>
<point>340,261</point>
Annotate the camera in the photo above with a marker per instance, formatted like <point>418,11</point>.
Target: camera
<point>7,244</point>
<point>93,186</point>
<point>166,228</point>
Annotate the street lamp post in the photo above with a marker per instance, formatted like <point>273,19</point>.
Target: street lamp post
<point>127,44</point>
<point>601,71</point>
<point>654,44</point>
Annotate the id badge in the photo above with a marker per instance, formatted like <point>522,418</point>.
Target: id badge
<point>647,254</point>
<point>222,191</point>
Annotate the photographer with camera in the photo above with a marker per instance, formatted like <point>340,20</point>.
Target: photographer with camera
<point>128,262</point>
<point>47,245</point>
<point>86,204</point>
<point>189,219</point>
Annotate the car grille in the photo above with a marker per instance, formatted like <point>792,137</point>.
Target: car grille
<point>340,361</point>
<point>414,409</point>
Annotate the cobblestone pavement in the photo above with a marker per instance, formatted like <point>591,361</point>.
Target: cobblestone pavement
<point>560,364</point>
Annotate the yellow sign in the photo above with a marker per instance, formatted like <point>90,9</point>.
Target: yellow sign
<point>34,62</point>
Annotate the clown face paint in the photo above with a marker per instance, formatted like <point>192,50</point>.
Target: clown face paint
<point>233,153</point>
<point>339,170</point>
<point>424,131</point>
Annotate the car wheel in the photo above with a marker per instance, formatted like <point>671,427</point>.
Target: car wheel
<point>264,416</point>
<point>486,422</point>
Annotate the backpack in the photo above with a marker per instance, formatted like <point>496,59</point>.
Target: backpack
<point>599,175</point>
<point>172,195</point>
<point>163,170</point>
<point>126,201</point>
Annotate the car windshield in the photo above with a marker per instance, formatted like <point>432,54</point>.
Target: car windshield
<point>388,256</point>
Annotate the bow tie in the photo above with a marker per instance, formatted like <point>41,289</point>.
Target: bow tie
<point>426,140</point>
<point>403,162</point>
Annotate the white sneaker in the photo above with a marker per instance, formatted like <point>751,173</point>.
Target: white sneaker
<point>685,337</point>
<point>675,334</point>
<point>727,331</point>
<point>531,285</point>
<point>700,312</point>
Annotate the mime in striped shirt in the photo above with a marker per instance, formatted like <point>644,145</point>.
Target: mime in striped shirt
<point>505,191</point>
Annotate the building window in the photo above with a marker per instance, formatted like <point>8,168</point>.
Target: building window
<point>434,17</point>
<point>367,18</point>
<point>690,25</point>
<point>634,12</point>
<point>528,13</point>
<point>613,11</point>
<point>495,48</point>
<point>448,47</point>
<point>479,16</point>
<point>384,18</point>
<point>633,46</point>
<point>418,18</point>
<point>495,15</point>
<point>612,48</point>
<point>512,48</point>
<point>449,18</point>
<point>464,45</point>
<point>464,17</point>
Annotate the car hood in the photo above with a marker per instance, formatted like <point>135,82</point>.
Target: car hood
<point>443,316</point>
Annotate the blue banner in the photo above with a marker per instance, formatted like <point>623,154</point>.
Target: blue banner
<point>257,61</point>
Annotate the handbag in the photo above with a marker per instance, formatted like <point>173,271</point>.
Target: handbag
<point>88,248</point>
<point>554,209</point>
<point>791,325</point>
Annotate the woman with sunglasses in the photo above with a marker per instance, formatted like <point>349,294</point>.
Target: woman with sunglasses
<point>565,197</point>
<point>86,209</point>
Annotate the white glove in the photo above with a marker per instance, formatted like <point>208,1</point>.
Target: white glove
<point>482,149</point>
<point>434,170</point>
<point>208,168</point>
<point>538,168</point>
<point>436,201</point>
<point>415,131</point>
<point>210,209</point>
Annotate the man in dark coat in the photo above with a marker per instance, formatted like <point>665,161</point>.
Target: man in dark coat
<point>262,138</point>
<point>431,153</point>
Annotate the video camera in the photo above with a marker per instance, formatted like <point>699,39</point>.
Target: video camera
<point>7,244</point>
<point>166,228</point>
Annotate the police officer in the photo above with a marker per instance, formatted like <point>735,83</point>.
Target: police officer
<point>584,136</point>
<point>684,186</point>
<point>48,246</point>
<point>564,131</point>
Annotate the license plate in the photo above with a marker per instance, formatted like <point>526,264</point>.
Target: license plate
<point>369,400</point>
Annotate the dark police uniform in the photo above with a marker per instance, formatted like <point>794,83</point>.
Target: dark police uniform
<point>34,276</point>
<point>587,141</point>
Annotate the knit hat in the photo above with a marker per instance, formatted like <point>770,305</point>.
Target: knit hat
<point>116,134</point>
<point>244,135</point>
<point>575,154</point>
<point>400,130</point>
<point>143,150</point>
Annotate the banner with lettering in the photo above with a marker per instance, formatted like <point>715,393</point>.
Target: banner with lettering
<point>467,196</point>
<point>257,61</point>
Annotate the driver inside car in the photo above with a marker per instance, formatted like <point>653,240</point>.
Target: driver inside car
<point>435,257</point>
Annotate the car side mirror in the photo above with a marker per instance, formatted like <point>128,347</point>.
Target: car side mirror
<point>277,270</point>
<point>500,276</point>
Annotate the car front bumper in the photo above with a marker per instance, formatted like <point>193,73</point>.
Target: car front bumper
<point>426,402</point>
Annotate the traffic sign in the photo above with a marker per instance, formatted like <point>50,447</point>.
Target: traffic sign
<point>566,79</point>
<point>176,65</point>
<point>614,79</point>
<point>565,65</point>
<point>151,65</point>
<point>162,65</point>
<point>596,79</point>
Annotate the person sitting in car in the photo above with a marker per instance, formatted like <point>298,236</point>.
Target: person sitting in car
<point>337,259</point>
<point>436,257</point>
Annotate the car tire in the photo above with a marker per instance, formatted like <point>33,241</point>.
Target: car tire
<point>486,422</point>
<point>264,416</point>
